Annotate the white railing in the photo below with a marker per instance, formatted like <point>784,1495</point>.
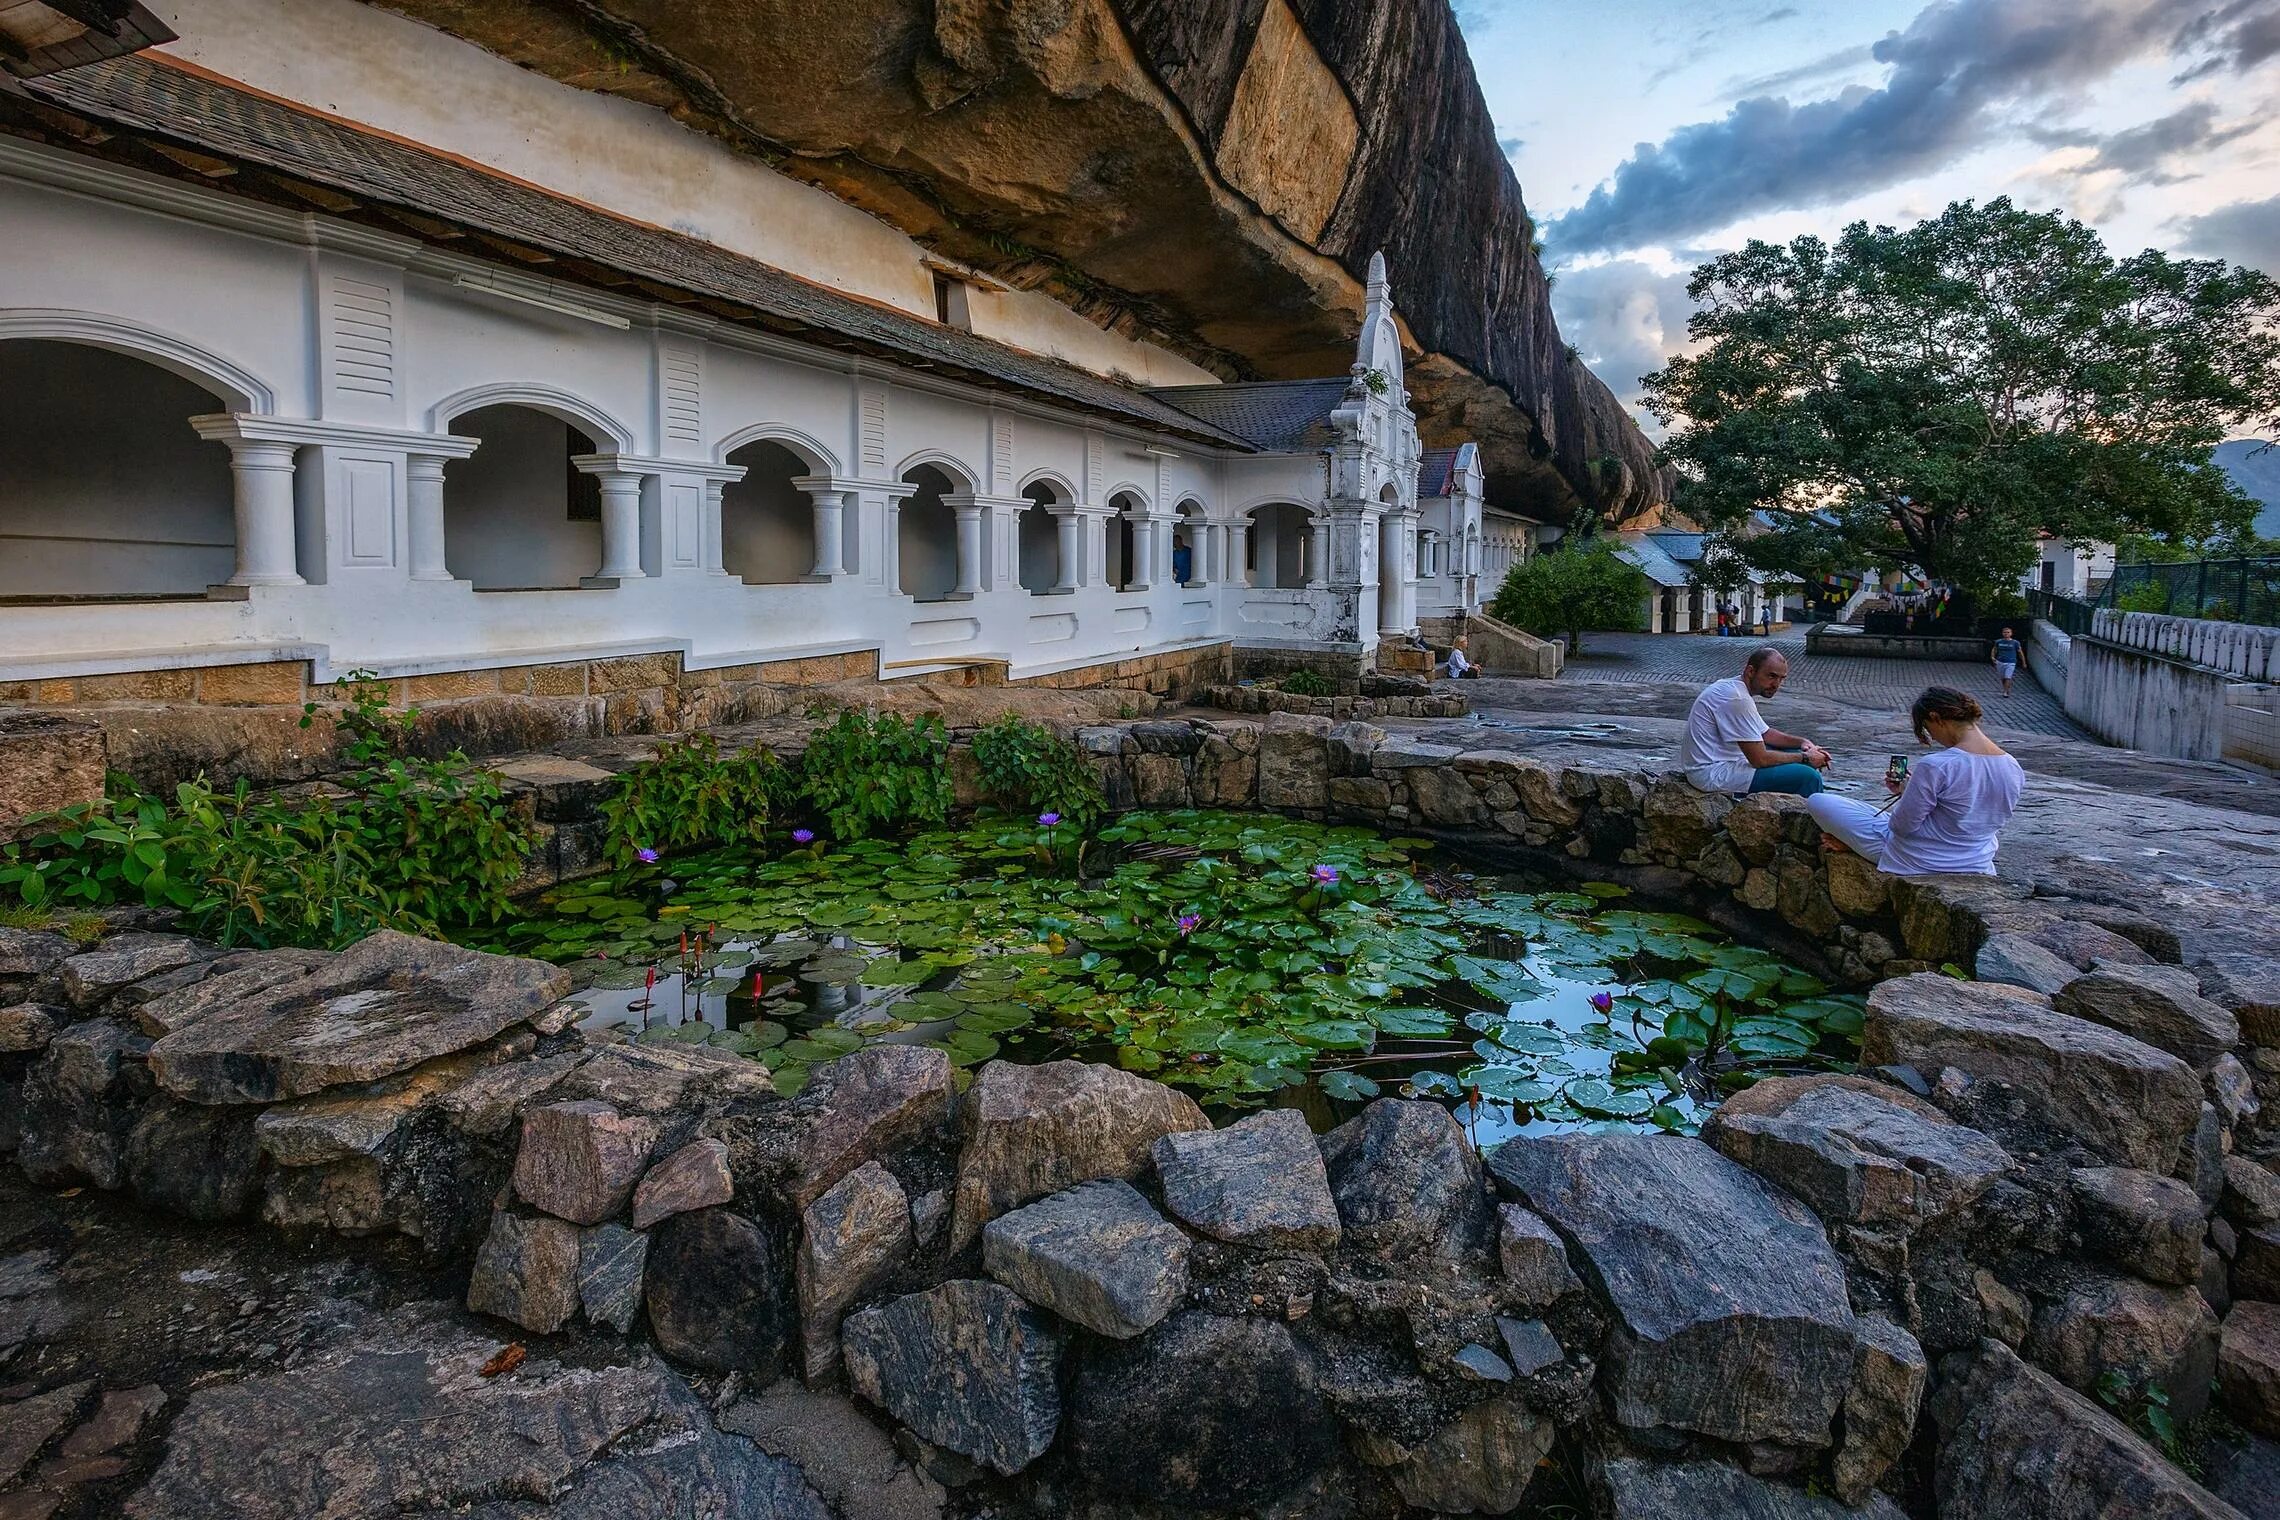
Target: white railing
<point>2236,649</point>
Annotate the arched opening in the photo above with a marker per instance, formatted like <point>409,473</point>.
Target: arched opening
<point>104,488</point>
<point>1280,541</point>
<point>926,540</point>
<point>518,515</point>
<point>1124,568</point>
<point>1037,539</point>
<point>767,524</point>
<point>1188,535</point>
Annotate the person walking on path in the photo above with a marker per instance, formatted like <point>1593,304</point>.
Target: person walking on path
<point>1951,809</point>
<point>2004,656</point>
<point>1729,748</point>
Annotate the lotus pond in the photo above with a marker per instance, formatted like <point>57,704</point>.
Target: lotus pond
<point>1249,958</point>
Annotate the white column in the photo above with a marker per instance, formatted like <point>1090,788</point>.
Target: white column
<point>1141,572</point>
<point>1211,554</point>
<point>423,500</point>
<point>1236,574</point>
<point>1067,523</point>
<point>969,548</point>
<point>262,474</point>
<point>709,553</point>
<point>621,525</point>
<point>829,529</point>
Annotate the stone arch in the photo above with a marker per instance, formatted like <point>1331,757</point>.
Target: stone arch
<point>767,522</point>
<point>814,457</point>
<point>106,490</point>
<point>607,433</point>
<point>1060,486</point>
<point>961,475</point>
<point>1037,533</point>
<point>519,515</point>
<point>1124,539</point>
<point>1276,548</point>
<point>1190,535</point>
<point>238,389</point>
<point>926,531</point>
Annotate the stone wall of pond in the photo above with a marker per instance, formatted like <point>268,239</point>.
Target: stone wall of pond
<point>1072,1295</point>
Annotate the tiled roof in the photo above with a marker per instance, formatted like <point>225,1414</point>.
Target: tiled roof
<point>1642,551</point>
<point>1436,473</point>
<point>1277,416</point>
<point>188,109</point>
<point>1686,548</point>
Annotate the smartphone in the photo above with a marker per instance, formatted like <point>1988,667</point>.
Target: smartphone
<point>1896,771</point>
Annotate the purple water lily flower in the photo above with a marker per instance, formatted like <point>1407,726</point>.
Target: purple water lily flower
<point>803,836</point>
<point>1048,819</point>
<point>1602,1001</point>
<point>1189,923</point>
<point>646,855</point>
<point>1326,874</point>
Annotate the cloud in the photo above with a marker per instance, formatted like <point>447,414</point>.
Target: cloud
<point>1510,145</point>
<point>2143,154</point>
<point>1779,13</point>
<point>1828,65</point>
<point>2247,232</point>
<point>1625,317</point>
<point>2237,35</point>
<point>1958,65</point>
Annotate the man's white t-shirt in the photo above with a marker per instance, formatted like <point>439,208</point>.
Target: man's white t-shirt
<point>1723,716</point>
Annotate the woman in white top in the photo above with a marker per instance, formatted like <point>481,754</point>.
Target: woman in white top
<point>1954,804</point>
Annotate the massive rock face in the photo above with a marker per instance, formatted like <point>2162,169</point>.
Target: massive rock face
<point>1211,177</point>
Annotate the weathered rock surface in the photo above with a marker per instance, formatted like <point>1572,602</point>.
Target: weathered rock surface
<point>397,1421</point>
<point>851,1239</point>
<point>322,1130</point>
<point>2016,1444</point>
<point>693,1177</point>
<point>81,1100</point>
<point>1480,1463</point>
<point>2251,1197</point>
<point>2157,1004</point>
<point>1858,1152</point>
<point>1259,1182</point>
<point>29,1424</point>
<point>28,1027</point>
<point>1181,1416</point>
<point>1700,1490</point>
<point>1888,1379</point>
<point>1033,1130</point>
<point>2248,1366</point>
<point>2149,1225</point>
<point>29,953</point>
<point>2130,1103</point>
<point>380,1007</point>
<point>2018,960</point>
<point>719,1294</point>
<point>849,1461</point>
<point>1732,1310</point>
<point>859,1108</point>
<point>2164,1336</point>
<point>193,1160</point>
<point>611,1259</point>
<point>1407,1181</point>
<point>1529,1345</point>
<point>967,1365</point>
<point>1533,1257</point>
<point>121,961</point>
<point>580,1160</point>
<point>527,1271</point>
<point>1096,1254</point>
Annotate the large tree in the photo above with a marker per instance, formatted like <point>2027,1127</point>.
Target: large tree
<point>1946,391</point>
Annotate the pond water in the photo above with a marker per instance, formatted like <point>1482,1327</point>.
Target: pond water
<point>1250,959</point>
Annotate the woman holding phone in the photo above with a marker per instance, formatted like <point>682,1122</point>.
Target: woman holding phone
<point>1949,807</point>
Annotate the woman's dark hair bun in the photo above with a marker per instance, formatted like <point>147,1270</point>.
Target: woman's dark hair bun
<point>1946,704</point>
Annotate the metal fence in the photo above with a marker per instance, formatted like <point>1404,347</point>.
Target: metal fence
<point>2065,613</point>
<point>2220,590</point>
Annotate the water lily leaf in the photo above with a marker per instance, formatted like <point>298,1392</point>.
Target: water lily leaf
<point>1591,1096</point>
<point>996,1018</point>
<point>1348,1086</point>
<point>1509,1084</point>
<point>1335,1034</point>
<point>891,971</point>
<point>1412,1022</point>
<point>1506,981</point>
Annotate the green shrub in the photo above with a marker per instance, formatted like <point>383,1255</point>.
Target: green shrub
<point>1028,769</point>
<point>1306,683</point>
<point>1573,590</point>
<point>692,795</point>
<point>870,774</point>
<point>2145,596</point>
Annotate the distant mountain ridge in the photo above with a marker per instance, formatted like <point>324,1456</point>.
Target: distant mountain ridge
<point>2254,466</point>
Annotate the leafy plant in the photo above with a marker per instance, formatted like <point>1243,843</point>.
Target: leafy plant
<point>1306,683</point>
<point>871,773</point>
<point>1574,590</point>
<point>2145,596</point>
<point>1028,769</point>
<point>2144,1406</point>
<point>691,795</point>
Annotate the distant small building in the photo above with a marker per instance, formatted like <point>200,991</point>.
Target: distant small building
<point>1676,602</point>
<point>2070,569</point>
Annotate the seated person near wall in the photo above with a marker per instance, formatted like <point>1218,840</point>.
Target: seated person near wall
<point>1951,808</point>
<point>1729,748</point>
<point>1461,666</point>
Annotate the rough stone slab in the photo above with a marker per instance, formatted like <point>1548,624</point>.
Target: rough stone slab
<point>1407,1181</point>
<point>117,1421</point>
<point>229,986</point>
<point>121,961</point>
<point>2082,944</point>
<point>656,1080</point>
<point>347,1198</point>
<point>580,1160</point>
<point>610,1262</point>
<point>693,1177</point>
<point>1533,1257</point>
<point>966,1365</point>
<point>398,1421</point>
<point>1889,1373</point>
<point>1259,1182</point>
<point>2018,960</point>
<point>719,1294</point>
<point>1096,1254</point>
<point>2251,1199</point>
<point>2148,1225</point>
<point>494,1098</point>
<point>29,1424</point>
<point>2017,1444</point>
<point>383,1006</point>
<point>26,953</point>
<point>2149,1334</point>
<point>527,1272</point>
<point>194,1160</point>
<point>2152,1004</point>
<point>2132,1104</point>
<point>1732,1310</point>
<point>845,1457</point>
<point>862,1107</point>
<point>851,1240</point>
<point>1640,1490</point>
<point>1858,1152</point>
<point>81,1100</point>
<point>1033,1130</point>
<point>1529,1345</point>
<point>2248,1366</point>
<point>320,1131</point>
<point>1202,1413</point>
<point>28,1027</point>
<point>1480,1463</point>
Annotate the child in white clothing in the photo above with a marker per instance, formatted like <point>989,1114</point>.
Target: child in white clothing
<point>1950,811</point>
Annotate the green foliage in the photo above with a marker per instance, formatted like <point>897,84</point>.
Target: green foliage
<point>2145,596</point>
<point>1946,391</point>
<point>869,773</point>
<point>1573,590</point>
<point>1029,770</point>
<point>1306,683</point>
<point>2145,1406</point>
<point>690,795</point>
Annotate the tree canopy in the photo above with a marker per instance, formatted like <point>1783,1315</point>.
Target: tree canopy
<point>1575,589</point>
<point>1933,398</point>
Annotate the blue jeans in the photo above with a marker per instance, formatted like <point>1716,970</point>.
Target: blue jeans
<point>1796,778</point>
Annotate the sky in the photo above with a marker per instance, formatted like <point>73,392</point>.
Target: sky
<point>1649,135</point>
